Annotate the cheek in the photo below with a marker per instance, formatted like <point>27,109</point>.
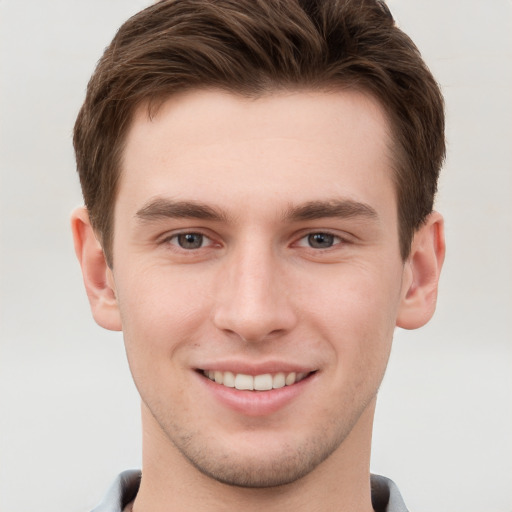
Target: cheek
<point>159,310</point>
<point>356,312</point>
<point>353,298</point>
<point>157,320</point>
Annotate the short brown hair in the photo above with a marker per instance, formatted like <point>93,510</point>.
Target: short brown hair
<point>253,47</point>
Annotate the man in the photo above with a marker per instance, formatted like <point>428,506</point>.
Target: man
<point>259,179</point>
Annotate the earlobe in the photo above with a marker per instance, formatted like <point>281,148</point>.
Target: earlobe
<point>421,274</point>
<point>98,278</point>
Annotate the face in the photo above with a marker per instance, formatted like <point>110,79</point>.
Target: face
<point>256,246</point>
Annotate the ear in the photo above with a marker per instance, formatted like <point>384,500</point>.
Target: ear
<point>421,274</point>
<point>98,277</point>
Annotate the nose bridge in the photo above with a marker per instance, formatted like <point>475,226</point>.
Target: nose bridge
<point>253,301</point>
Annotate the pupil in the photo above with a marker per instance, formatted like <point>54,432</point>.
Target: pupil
<point>190,240</point>
<point>320,240</point>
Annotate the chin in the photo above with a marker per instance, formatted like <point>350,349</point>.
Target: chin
<point>257,461</point>
<point>273,470</point>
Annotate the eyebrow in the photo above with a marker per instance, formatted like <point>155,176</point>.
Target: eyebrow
<point>161,208</point>
<point>340,208</point>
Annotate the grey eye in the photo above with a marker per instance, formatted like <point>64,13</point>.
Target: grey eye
<point>190,240</point>
<point>321,240</point>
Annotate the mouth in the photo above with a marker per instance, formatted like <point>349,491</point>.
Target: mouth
<point>263,382</point>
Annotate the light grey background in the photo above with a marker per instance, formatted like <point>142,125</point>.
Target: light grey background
<point>69,418</point>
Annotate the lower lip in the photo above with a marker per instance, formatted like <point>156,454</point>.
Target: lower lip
<point>256,403</point>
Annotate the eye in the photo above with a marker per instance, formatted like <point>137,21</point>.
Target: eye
<point>320,240</point>
<point>190,241</point>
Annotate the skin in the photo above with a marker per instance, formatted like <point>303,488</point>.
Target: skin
<point>292,262</point>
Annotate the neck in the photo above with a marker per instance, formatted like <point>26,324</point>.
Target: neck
<point>171,483</point>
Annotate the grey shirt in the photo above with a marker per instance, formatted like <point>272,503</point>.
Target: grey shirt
<point>385,494</point>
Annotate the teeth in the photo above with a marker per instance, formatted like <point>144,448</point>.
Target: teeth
<point>229,380</point>
<point>263,382</point>
<point>279,380</point>
<point>290,378</point>
<point>244,381</point>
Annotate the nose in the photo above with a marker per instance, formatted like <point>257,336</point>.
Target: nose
<point>254,299</point>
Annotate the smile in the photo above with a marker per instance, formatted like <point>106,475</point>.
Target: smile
<point>264,382</point>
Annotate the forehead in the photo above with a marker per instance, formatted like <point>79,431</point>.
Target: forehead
<point>223,148</point>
